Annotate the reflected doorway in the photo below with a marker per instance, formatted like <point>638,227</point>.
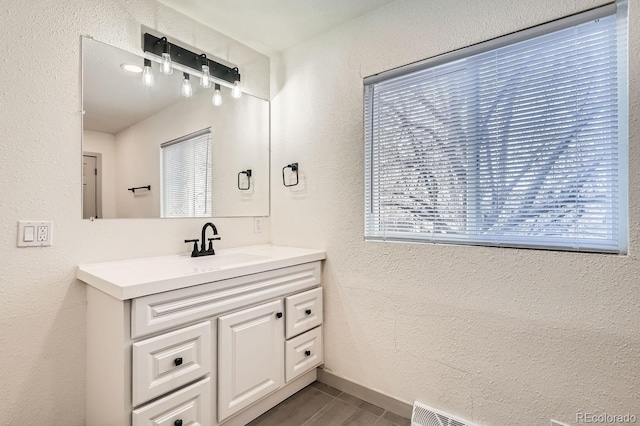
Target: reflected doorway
<point>91,175</point>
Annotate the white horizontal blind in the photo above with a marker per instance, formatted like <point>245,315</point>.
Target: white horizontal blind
<point>521,146</point>
<point>186,176</point>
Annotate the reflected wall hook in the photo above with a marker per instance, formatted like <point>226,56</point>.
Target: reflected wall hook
<point>248,173</point>
<point>294,168</point>
<point>148,188</point>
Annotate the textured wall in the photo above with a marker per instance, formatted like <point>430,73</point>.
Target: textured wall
<point>500,336</point>
<point>42,306</point>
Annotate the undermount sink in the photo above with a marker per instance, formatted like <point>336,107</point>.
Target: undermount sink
<point>220,261</point>
<point>140,277</point>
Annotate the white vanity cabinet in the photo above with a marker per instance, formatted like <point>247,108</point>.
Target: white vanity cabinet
<point>219,352</point>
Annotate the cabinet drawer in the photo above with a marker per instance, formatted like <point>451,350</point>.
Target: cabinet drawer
<point>304,311</point>
<point>165,362</point>
<point>302,353</point>
<point>189,406</point>
<point>154,313</point>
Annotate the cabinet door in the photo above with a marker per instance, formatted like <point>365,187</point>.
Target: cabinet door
<point>250,356</point>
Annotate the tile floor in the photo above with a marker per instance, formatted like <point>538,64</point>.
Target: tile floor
<point>322,405</point>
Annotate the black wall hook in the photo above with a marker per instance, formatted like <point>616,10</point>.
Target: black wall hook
<point>248,173</point>
<point>294,168</point>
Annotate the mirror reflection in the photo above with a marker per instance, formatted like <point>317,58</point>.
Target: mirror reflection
<point>152,152</point>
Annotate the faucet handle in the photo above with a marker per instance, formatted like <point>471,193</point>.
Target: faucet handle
<point>210,248</point>
<point>194,253</point>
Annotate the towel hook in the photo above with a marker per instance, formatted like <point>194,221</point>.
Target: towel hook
<point>294,168</point>
<point>248,173</point>
<point>148,188</point>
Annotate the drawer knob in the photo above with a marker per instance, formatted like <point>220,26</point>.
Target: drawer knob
<point>308,312</point>
<point>307,353</point>
<point>279,315</point>
<point>177,362</point>
<point>178,422</point>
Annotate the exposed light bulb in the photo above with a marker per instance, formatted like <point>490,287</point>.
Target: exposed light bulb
<point>147,74</point>
<point>187,90</point>
<point>205,80</point>
<point>217,96</point>
<point>236,92</point>
<point>166,67</point>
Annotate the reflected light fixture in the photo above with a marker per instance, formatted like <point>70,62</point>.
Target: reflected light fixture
<point>217,96</point>
<point>235,91</point>
<point>131,68</point>
<point>147,73</point>
<point>187,90</point>
<point>166,67</point>
<point>205,79</point>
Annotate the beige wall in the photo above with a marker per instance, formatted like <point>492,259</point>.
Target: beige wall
<point>42,306</point>
<point>498,336</point>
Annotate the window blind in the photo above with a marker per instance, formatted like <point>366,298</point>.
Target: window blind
<point>186,176</point>
<point>519,145</point>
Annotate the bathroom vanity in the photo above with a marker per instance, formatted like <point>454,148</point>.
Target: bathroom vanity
<point>177,341</point>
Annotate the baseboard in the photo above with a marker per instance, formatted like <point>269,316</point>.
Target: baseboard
<point>387,402</point>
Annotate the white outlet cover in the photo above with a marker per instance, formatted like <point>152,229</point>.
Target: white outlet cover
<point>37,231</point>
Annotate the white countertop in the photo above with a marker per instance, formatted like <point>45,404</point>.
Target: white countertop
<point>141,277</point>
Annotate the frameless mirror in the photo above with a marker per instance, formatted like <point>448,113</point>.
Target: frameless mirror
<point>151,152</point>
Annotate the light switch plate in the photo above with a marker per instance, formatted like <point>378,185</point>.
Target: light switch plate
<point>35,233</point>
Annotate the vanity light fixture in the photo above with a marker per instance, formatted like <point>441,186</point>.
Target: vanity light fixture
<point>166,66</point>
<point>217,96</point>
<point>205,79</point>
<point>186,60</point>
<point>147,73</point>
<point>187,90</point>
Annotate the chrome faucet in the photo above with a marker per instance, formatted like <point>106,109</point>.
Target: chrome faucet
<point>204,252</point>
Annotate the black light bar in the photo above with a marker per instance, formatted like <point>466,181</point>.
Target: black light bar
<point>182,56</point>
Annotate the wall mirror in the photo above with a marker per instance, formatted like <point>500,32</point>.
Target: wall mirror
<point>151,152</point>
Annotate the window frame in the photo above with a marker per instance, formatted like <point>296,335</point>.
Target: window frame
<point>619,10</point>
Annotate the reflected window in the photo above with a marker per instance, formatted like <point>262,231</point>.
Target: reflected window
<point>186,176</point>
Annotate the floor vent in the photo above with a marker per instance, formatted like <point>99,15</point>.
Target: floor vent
<point>424,415</point>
